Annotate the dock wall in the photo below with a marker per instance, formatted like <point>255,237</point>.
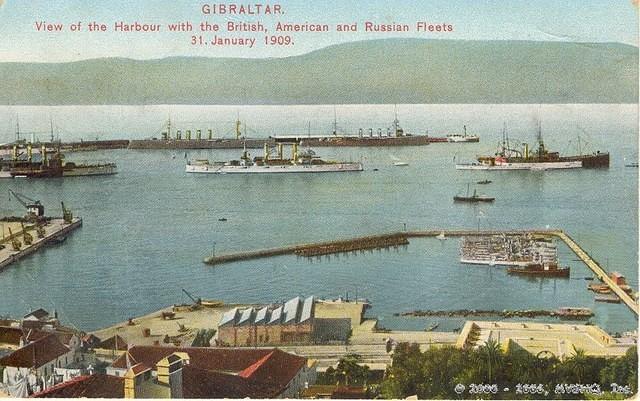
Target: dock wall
<point>14,256</point>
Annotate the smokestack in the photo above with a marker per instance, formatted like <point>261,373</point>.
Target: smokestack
<point>199,134</point>
<point>210,131</point>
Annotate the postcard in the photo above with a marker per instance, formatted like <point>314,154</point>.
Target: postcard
<point>419,199</point>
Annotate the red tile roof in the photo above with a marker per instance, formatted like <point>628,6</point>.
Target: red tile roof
<point>201,383</point>
<point>115,343</point>
<point>36,354</point>
<point>10,335</point>
<point>267,371</point>
<point>94,386</point>
<point>281,367</point>
<point>219,359</point>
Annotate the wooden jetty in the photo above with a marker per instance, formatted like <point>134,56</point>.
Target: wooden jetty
<point>359,243</point>
<point>316,249</point>
<point>55,230</point>
<point>598,270</point>
<point>401,238</point>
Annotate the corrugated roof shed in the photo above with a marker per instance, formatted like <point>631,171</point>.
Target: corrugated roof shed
<point>307,309</point>
<point>245,317</point>
<point>261,315</point>
<point>229,316</point>
<point>291,310</point>
<point>276,315</point>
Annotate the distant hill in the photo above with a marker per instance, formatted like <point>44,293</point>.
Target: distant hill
<point>378,71</point>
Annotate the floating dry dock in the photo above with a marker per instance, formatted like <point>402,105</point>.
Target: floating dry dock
<point>402,238</point>
<point>55,231</point>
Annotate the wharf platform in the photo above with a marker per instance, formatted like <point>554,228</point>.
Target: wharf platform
<point>55,230</point>
<point>401,238</point>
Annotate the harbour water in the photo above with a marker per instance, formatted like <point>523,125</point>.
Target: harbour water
<point>147,229</point>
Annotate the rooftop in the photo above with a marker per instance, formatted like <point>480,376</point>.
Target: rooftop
<point>293,311</point>
<point>36,354</point>
<point>556,339</point>
<point>94,386</point>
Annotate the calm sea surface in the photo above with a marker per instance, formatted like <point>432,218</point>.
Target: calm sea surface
<point>147,229</point>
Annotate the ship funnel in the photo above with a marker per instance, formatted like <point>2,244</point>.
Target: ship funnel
<point>43,152</point>
<point>280,151</point>
<point>370,132</point>
<point>14,153</point>
<point>294,152</point>
<point>379,132</point>
<point>266,151</point>
<point>179,134</point>
<point>360,133</point>
<point>188,135</point>
<point>199,134</point>
<point>210,132</point>
<point>29,151</point>
<point>526,150</point>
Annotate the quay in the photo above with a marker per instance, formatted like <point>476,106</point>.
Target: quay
<point>355,244</point>
<point>401,238</point>
<point>598,270</point>
<point>55,231</point>
<point>316,249</point>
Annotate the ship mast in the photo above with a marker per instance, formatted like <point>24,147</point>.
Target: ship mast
<point>396,122</point>
<point>51,126</point>
<point>335,122</point>
<point>17,128</point>
<point>238,125</point>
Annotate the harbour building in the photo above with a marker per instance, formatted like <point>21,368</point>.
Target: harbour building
<point>293,322</point>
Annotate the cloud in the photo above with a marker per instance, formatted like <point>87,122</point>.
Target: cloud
<point>1,3</point>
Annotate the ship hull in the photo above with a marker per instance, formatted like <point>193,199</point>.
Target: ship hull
<point>284,169</point>
<point>83,171</point>
<point>256,143</point>
<point>522,166</point>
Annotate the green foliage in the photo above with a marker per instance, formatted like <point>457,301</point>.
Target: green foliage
<point>434,373</point>
<point>348,372</point>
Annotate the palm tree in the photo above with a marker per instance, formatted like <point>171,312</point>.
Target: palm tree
<point>578,362</point>
<point>491,355</point>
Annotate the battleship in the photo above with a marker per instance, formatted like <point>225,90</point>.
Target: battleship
<point>49,164</point>
<point>305,161</point>
<point>507,158</point>
<point>205,139</point>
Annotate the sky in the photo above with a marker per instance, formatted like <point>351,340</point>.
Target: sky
<point>539,20</point>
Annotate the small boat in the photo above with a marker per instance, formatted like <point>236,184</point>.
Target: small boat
<point>57,240</point>
<point>432,327</point>
<point>473,198</point>
<point>541,270</point>
<point>612,299</point>
<point>441,236</point>
<point>599,288</point>
<point>400,164</point>
<point>485,182</point>
<point>222,219</point>
<point>635,164</point>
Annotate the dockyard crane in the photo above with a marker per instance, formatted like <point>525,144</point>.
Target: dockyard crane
<point>14,241</point>
<point>197,301</point>
<point>40,230</point>
<point>67,216</point>
<point>35,210</point>
<point>26,237</point>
